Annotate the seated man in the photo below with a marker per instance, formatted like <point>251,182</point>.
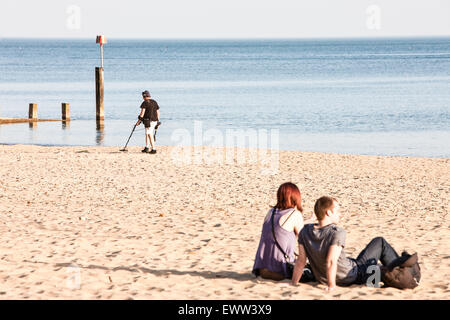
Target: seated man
<point>322,243</point>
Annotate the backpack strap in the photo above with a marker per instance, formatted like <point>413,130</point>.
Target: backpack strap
<point>288,217</point>
<point>275,238</point>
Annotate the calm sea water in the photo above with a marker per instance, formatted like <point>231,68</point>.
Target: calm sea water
<point>378,97</point>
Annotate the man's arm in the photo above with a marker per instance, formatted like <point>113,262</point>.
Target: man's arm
<point>299,265</point>
<point>333,255</point>
<point>140,116</point>
<point>157,114</point>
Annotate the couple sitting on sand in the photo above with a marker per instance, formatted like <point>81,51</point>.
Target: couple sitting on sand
<point>322,245</point>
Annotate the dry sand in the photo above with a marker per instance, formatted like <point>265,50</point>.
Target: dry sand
<point>95,223</point>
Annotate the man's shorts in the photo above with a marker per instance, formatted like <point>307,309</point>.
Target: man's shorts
<point>151,130</point>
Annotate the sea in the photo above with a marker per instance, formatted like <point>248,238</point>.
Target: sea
<point>374,96</point>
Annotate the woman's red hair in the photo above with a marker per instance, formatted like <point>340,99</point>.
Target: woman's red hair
<point>289,196</point>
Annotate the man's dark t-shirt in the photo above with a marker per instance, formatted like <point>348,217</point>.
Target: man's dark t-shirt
<point>151,106</point>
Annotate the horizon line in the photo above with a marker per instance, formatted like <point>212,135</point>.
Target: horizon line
<point>234,38</point>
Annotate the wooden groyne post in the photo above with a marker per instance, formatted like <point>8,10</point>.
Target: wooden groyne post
<point>32,116</point>
<point>99,79</point>
<point>32,111</point>
<point>65,111</point>
<point>99,94</point>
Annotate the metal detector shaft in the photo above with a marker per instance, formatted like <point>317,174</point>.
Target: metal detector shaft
<point>156,129</point>
<point>124,148</point>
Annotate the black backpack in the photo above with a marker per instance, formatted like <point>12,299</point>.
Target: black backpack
<point>402,273</point>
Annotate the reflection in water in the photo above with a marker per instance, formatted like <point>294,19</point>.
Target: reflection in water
<point>32,125</point>
<point>100,132</point>
<point>65,125</point>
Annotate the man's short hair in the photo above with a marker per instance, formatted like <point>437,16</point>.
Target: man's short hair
<point>322,205</point>
<point>146,94</point>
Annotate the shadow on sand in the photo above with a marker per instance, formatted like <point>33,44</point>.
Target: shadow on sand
<point>166,272</point>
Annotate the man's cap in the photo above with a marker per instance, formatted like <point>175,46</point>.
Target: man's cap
<point>146,93</point>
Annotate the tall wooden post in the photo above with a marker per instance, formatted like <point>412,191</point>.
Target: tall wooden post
<point>99,93</point>
<point>65,111</point>
<point>99,89</point>
<point>32,111</point>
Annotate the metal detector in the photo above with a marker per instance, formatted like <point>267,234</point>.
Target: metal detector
<point>125,148</point>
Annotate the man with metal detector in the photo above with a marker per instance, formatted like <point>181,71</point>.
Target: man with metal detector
<point>150,117</point>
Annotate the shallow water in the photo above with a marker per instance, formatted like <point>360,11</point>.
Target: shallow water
<point>380,97</point>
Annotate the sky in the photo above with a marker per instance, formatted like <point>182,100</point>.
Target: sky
<point>214,19</point>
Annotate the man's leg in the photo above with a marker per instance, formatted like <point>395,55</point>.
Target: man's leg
<point>148,141</point>
<point>152,141</point>
<point>152,134</point>
<point>377,249</point>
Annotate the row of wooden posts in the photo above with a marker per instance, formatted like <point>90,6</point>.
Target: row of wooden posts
<point>100,106</point>
<point>65,108</point>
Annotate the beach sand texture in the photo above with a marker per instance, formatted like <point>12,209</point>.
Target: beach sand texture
<point>96,223</point>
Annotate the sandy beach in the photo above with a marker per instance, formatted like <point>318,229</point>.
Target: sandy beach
<point>96,223</point>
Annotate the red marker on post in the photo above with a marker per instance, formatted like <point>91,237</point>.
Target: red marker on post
<point>101,40</point>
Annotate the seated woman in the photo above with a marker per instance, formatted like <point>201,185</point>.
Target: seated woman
<point>270,261</point>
